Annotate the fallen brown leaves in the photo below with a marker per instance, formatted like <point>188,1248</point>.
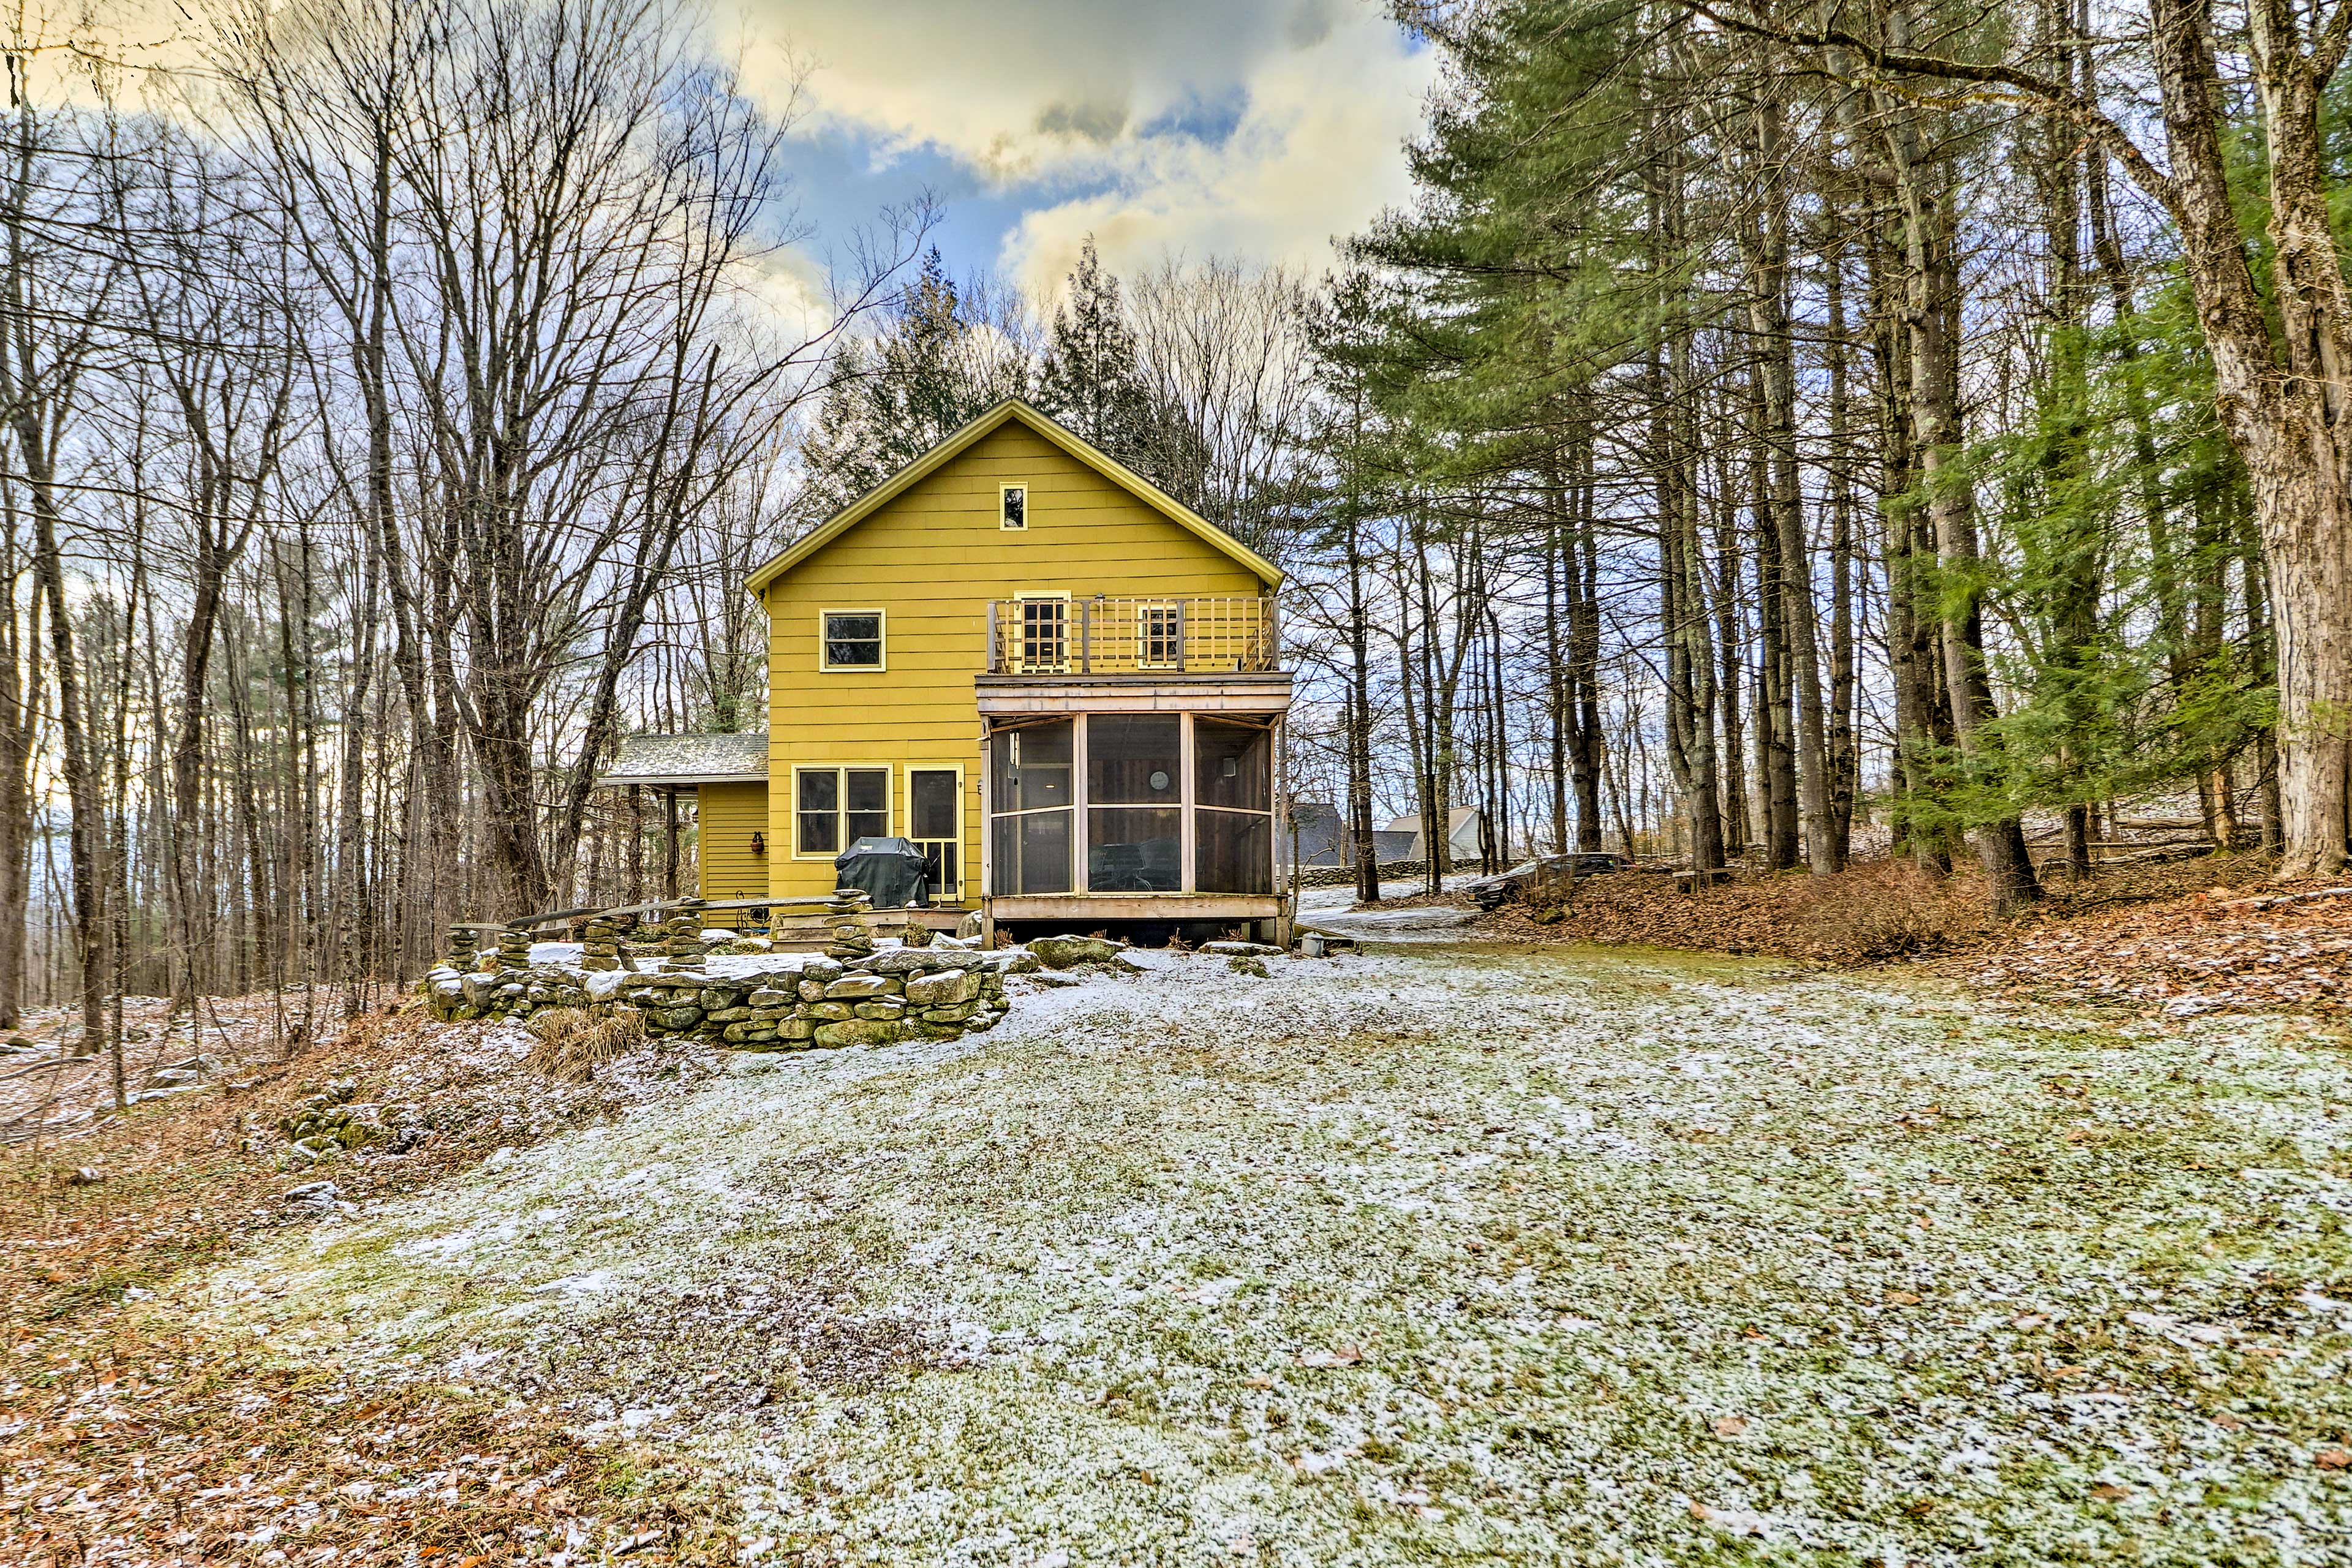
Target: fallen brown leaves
<point>2183,937</point>
<point>134,1445</point>
<point>1871,911</point>
<point>131,1438</point>
<point>2195,954</point>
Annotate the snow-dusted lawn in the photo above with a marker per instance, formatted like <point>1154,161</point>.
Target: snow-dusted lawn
<point>1437,1255</point>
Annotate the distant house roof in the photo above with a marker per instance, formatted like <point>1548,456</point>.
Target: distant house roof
<point>1069,441</point>
<point>1317,836</point>
<point>689,760</point>
<point>1461,831</point>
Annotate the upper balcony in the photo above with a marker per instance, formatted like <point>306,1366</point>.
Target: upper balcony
<point>1159,639</point>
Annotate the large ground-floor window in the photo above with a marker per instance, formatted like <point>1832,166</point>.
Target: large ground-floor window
<point>833,808</point>
<point>1131,803</point>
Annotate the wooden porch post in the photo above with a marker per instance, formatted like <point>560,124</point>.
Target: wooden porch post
<point>987,833</point>
<point>1078,738</point>
<point>1187,770</point>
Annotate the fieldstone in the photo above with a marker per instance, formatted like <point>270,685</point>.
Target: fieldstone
<point>796,1030</point>
<point>860,1032</point>
<point>828,1012</point>
<point>725,1015</point>
<point>1245,965</point>
<point>944,990</point>
<point>715,997</point>
<point>769,996</point>
<point>1240,948</point>
<point>1069,952</point>
<point>854,988</point>
<point>924,960</point>
<point>1022,963</point>
<point>822,970</point>
<point>678,1018</point>
<point>958,1014</point>
<point>812,990</point>
<point>881,1007</point>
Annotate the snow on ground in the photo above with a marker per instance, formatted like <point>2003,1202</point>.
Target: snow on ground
<point>1436,1254</point>
<point>1336,909</point>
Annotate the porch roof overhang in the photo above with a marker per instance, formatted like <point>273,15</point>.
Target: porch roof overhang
<point>1015,696</point>
<point>676,761</point>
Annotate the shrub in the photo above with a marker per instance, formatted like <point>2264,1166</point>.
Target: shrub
<point>573,1042</point>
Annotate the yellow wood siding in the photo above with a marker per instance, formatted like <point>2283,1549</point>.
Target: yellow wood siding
<point>725,819</point>
<point>932,558</point>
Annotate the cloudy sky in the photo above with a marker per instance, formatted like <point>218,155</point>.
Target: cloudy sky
<point>1259,128</point>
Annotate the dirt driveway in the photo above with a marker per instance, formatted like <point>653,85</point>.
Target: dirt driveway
<point>1432,1255</point>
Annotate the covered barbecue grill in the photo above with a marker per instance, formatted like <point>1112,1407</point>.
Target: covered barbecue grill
<point>890,870</point>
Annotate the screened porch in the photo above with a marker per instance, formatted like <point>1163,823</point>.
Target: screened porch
<point>1157,805</point>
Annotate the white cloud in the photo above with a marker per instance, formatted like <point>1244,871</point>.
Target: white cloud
<point>1238,126</point>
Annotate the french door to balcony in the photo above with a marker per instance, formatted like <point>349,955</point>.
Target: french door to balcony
<point>1043,636</point>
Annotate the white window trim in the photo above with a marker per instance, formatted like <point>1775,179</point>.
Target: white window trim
<point>841,812</point>
<point>880,615</point>
<point>1002,526</point>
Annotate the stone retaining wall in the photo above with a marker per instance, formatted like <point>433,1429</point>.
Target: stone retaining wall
<point>859,999</point>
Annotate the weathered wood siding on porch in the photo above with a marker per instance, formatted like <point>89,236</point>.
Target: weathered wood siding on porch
<point>932,559</point>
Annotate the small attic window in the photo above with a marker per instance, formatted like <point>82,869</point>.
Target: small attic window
<point>1013,506</point>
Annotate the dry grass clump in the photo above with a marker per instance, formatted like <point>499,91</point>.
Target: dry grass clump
<point>1887,909</point>
<point>573,1042</point>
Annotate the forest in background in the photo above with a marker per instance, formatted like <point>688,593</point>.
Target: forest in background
<point>1767,432</point>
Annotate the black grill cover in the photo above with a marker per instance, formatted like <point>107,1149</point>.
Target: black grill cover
<point>890,870</point>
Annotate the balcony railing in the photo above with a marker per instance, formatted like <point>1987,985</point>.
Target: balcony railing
<point>1225,635</point>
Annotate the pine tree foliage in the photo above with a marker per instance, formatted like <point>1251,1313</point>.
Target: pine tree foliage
<point>943,356</point>
<point>1090,378</point>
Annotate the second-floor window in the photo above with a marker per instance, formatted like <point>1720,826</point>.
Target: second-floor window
<point>1013,506</point>
<point>852,639</point>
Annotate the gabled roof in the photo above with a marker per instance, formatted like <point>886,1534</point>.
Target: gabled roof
<point>690,759</point>
<point>947,451</point>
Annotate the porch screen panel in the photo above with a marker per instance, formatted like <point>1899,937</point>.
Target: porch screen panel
<point>1232,851</point>
<point>1135,826</point>
<point>1233,792</point>
<point>1030,809</point>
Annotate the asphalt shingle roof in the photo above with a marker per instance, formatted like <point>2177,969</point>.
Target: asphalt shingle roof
<point>690,759</point>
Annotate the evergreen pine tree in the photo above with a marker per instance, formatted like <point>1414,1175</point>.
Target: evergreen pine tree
<point>936,367</point>
<point>1091,381</point>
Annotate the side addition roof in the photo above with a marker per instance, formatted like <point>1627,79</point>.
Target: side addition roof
<point>689,760</point>
<point>947,451</point>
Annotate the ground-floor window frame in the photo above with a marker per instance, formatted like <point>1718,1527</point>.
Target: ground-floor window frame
<point>841,811</point>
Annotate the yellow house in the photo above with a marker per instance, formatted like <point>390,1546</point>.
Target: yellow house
<point>1058,680</point>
